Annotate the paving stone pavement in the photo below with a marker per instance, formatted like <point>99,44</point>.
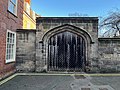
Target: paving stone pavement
<point>60,82</point>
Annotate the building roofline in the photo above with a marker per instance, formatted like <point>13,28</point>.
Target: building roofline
<point>82,18</point>
<point>108,39</point>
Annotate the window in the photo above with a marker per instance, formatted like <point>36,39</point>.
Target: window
<point>12,6</point>
<point>10,46</point>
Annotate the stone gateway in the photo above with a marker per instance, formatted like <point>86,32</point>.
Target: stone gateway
<point>64,44</point>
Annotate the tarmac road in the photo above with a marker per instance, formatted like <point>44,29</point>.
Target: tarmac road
<point>62,82</point>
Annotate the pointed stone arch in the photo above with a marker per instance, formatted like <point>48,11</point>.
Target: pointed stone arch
<point>70,28</point>
<point>66,28</point>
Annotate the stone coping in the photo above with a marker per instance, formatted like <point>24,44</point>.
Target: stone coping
<point>108,39</point>
<point>67,18</point>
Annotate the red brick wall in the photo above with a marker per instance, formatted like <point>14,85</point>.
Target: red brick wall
<point>11,22</point>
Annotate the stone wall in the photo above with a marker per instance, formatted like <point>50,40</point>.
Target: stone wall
<point>48,26</point>
<point>32,45</point>
<point>109,56</point>
<point>103,54</point>
<point>26,52</point>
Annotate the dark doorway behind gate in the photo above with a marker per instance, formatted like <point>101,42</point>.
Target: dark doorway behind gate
<point>66,52</point>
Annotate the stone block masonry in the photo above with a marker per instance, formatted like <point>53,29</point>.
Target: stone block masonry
<point>26,50</point>
<point>108,55</point>
<point>38,50</point>
<point>30,52</point>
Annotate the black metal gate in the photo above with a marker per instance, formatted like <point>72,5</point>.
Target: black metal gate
<point>66,51</point>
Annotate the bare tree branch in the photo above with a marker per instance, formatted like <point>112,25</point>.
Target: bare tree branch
<point>111,24</point>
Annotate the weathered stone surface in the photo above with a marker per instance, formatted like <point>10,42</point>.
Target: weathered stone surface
<point>102,54</point>
<point>50,26</point>
<point>32,48</point>
<point>109,49</point>
<point>26,52</point>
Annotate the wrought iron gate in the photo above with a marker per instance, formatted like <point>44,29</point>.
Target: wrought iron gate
<point>66,51</point>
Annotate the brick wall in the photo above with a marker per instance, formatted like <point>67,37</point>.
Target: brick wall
<point>11,22</point>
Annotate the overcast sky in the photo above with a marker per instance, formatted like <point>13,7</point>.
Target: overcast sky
<point>70,7</point>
